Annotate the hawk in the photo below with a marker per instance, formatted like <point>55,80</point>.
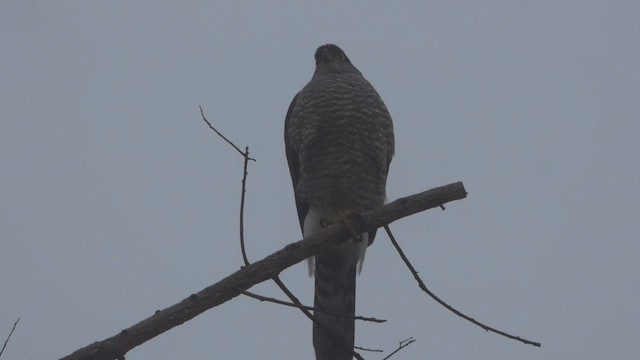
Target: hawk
<point>339,144</point>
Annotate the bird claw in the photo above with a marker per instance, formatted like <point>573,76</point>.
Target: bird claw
<point>346,219</point>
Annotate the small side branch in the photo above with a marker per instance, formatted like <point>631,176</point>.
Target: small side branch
<point>310,308</point>
<point>242,199</point>
<point>424,288</point>
<point>247,158</point>
<point>222,136</point>
<point>9,337</point>
<point>403,344</point>
<point>367,349</point>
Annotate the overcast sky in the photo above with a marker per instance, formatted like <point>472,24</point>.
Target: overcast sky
<point>117,200</point>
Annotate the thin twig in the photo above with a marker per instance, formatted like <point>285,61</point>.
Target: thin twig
<point>424,288</point>
<point>242,197</point>
<point>368,350</point>
<point>310,308</point>
<point>222,136</point>
<point>403,344</point>
<point>9,337</point>
<point>245,155</point>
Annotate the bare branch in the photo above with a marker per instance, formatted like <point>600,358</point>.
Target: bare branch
<point>366,349</point>
<point>245,155</point>
<point>403,344</point>
<point>242,198</point>
<point>310,308</point>
<point>424,288</point>
<point>262,270</point>
<point>224,137</point>
<point>9,337</point>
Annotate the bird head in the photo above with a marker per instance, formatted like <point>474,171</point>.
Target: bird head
<point>330,58</point>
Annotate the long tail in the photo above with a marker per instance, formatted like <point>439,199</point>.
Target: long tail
<point>335,273</point>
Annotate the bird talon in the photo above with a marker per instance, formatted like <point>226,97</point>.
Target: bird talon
<point>343,218</point>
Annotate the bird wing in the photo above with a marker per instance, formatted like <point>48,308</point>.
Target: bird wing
<point>294,166</point>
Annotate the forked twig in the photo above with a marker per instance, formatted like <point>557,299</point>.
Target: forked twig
<point>403,344</point>
<point>246,154</point>
<point>424,288</point>
<point>247,158</point>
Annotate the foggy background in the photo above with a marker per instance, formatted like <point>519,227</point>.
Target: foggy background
<point>117,200</point>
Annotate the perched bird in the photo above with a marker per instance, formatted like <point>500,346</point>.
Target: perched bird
<point>339,143</point>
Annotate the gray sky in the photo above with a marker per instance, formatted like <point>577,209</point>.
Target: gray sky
<point>116,200</point>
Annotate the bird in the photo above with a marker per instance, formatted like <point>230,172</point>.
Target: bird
<point>339,143</point>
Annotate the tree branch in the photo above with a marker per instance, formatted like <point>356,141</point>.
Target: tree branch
<point>242,197</point>
<point>424,288</point>
<point>245,154</point>
<point>265,269</point>
<point>9,337</point>
<point>401,345</point>
<point>290,304</point>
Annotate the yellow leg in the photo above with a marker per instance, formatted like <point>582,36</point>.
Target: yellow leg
<point>342,216</point>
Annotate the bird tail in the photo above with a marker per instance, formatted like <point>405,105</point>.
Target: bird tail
<point>335,290</point>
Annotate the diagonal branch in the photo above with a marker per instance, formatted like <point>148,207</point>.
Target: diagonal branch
<point>265,269</point>
<point>424,288</point>
<point>401,345</point>
<point>246,154</point>
<point>9,337</point>
<point>242,198</point>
